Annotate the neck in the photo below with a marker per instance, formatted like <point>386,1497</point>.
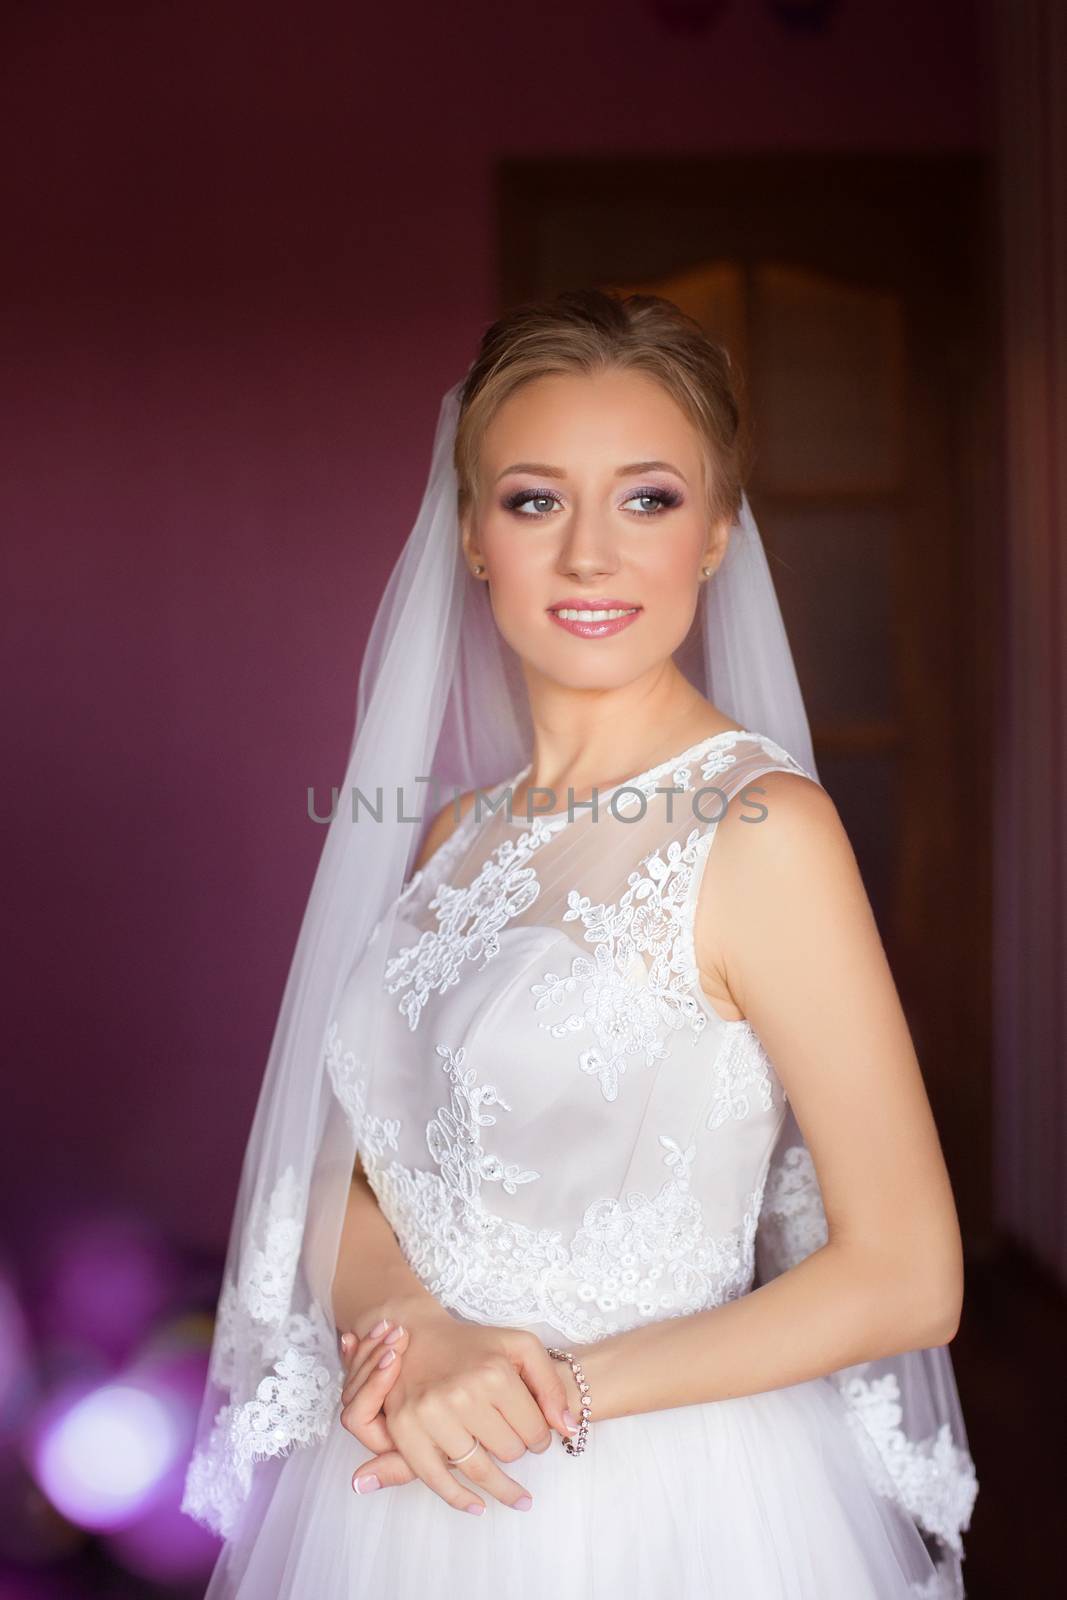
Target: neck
<point>585,739</point>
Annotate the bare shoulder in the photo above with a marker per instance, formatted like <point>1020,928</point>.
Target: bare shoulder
<point>781,862</point>
<point>780,819</point>
<point>443,825</point>
<point>782,839</point>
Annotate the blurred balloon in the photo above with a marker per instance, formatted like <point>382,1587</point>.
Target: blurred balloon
<point>99,1392</point>
<point>101,1459</point>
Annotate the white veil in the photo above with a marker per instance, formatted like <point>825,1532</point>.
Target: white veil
<point>441,698</point>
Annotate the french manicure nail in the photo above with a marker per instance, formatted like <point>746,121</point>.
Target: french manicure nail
<point>379,1327</point>
<point>570,1419</point>
<point>390,1355</point>
<point>368,1484</point>
<point>391,1338</point>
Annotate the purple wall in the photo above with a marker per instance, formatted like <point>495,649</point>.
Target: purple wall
<point>243,260</point>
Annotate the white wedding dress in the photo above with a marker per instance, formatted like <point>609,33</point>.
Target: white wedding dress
<point>567,1137</point>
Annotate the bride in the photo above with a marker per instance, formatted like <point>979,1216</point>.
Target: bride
<point>593,1175</point>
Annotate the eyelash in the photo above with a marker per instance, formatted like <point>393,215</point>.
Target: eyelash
<point>668,499</point>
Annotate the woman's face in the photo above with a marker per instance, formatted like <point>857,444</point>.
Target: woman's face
<point>592,498</point>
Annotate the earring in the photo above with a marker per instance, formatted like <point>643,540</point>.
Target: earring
<point>478,570</point>
<point>708,571</point>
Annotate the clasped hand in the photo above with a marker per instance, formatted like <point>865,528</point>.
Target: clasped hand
<point>447,1384</point>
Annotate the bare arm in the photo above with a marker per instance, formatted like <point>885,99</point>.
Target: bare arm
<point>784,924</point>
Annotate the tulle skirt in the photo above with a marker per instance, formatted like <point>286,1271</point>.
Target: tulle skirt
<point>760,1497</point>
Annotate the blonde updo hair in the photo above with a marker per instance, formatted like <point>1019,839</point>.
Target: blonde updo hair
<point>589,331</point>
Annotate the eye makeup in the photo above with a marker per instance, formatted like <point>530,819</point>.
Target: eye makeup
<point>665,500</point>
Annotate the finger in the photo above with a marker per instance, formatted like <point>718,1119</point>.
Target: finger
<point>425,1459</point>
<point>374,1434</point>
<point>389,1467</point>
<point>515,1421</point>
<point>368,1366</point>
<point>369,1397</point>
<point>381,1324</point>
<point>543,1381</point>
<point>354,1346</point>
<point>493,1423</point>
<point>360,1356</point>
<point>351,1341</point>
<point>426,1441</point>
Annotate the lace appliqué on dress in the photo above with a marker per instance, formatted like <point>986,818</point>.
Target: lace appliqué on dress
<point>637,987</point>
<point>349,1075</point>
<point>742,1077</point>
<point>465,1255</point>
<point>650,1257</point>
<point>454,1141</point>
<point>469,921</point>
<point>679,773</point>
<point>642,983</point>
<point>630,1260</point>
<point>718,757</point>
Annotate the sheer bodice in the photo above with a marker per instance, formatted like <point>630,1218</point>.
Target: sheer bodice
<point>569,1135</point>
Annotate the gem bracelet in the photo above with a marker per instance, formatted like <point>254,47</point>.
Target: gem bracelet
<point>576,1445</point>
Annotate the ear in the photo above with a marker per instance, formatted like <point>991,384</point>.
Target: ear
<point>469,542</point>
<point>717,543</point>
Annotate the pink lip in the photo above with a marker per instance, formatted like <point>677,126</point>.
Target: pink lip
<point>594,630</point>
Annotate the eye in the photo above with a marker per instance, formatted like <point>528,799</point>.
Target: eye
<point>661,499</point>
<point>543,499</point>
<point>538,503</point>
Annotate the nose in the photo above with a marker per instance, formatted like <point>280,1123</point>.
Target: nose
<point>588,549</point>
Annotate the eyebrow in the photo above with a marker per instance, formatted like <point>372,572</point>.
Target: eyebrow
<point>547,471</point>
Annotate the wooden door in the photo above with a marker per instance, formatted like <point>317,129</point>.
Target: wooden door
<point>846,290</point>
